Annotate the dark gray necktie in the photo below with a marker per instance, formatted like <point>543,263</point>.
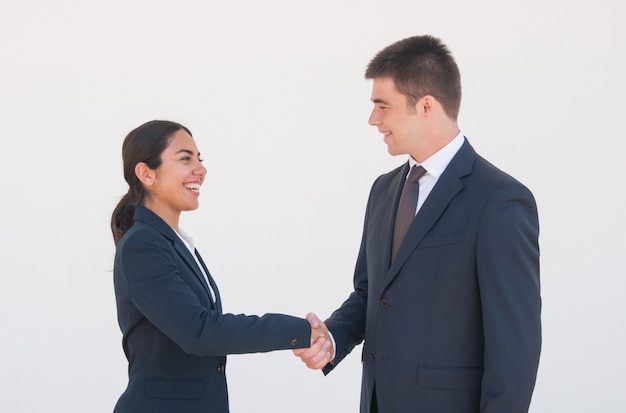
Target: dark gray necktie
<point>406,207</point>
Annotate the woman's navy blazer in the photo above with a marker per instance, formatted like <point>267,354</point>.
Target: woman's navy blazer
<point>176,337</point>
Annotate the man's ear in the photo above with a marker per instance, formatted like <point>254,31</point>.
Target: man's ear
<point>144,173</point>
<point>426,104</point>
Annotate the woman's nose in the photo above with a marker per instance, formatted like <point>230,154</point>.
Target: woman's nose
<point>201,170</point>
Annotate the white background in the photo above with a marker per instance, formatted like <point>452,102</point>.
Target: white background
<point>274,94</point>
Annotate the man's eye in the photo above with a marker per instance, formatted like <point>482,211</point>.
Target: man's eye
<point>185,158</point>
<point>201,159</point>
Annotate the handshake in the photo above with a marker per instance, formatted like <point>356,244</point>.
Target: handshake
<point>321,351</point>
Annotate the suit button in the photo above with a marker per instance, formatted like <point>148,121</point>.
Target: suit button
<point>294,342</point>
<point>384,303</point>
<point>373,355</point>
<point>221,368</point>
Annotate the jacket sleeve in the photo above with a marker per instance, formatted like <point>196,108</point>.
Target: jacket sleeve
<point>347,323</point>
<point>148,270</point>
<point>507,259</point>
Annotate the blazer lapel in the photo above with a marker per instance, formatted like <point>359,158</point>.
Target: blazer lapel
<point>446,188</point>
<point>389,217</point>
<point>144,214</point>
<point>185,254</point>
<point>218,300</point>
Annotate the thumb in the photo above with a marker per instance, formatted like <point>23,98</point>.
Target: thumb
<point>313,320</point>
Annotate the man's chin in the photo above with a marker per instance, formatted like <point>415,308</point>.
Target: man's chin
<point>394,152</point>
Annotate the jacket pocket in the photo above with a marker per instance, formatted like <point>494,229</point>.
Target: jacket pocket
<point>174,388</point>
<point>453,378</point>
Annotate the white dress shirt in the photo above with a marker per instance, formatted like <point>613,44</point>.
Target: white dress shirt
<point>435,165</point>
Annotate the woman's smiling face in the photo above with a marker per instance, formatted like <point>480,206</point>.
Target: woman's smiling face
<point>174,186</point>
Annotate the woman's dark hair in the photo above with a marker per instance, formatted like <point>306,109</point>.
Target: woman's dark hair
<point>143,144</point>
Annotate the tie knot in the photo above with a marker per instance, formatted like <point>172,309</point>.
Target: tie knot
<point>416,173</point>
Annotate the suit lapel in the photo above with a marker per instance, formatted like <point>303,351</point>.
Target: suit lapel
<point>218,300</point>
<point>446,188</point>
<point>389,217</point>
<point>185,254</point>
<point>144,214</point>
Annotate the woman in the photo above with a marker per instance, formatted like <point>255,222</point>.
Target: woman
<point>169,310</point>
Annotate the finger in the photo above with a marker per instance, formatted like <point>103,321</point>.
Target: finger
<point>319,361</point>
<point>320,358</point>
<point>316,347</point>
<point>317,356</point>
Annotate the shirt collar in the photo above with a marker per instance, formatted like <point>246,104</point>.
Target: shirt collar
<point>186,238</point>
<point>437,162</point>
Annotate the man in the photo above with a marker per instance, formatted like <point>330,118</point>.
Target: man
<point>450,312</point>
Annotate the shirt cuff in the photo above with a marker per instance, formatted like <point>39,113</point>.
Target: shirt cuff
<point>332,340</point>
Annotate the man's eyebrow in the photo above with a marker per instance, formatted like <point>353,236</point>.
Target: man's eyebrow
<point>186,151</point>
<point>380,101</point>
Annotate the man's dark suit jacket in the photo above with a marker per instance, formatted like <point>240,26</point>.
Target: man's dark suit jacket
<point>453,325</point>
<point>176,337</point>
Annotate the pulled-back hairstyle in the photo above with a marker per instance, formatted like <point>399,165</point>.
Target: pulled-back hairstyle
<point>145,144</point>
<point>420,66</point>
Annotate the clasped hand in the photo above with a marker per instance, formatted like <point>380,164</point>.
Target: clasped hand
<point>321,351</point>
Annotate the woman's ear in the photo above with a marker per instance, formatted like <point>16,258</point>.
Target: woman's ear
<point>144,173</point>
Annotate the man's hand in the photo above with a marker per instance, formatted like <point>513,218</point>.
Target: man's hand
<point>321,351</point>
